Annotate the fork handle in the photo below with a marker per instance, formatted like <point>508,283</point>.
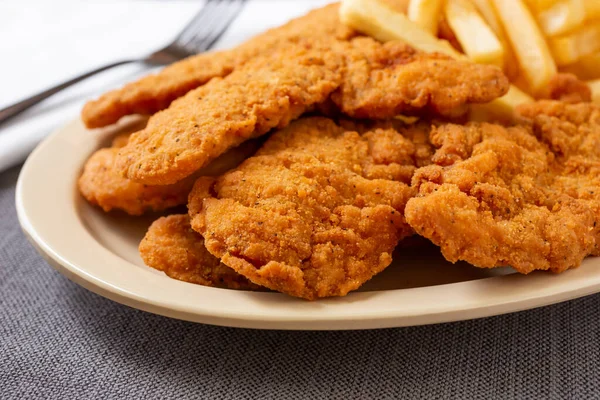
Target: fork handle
<point>14,109</point>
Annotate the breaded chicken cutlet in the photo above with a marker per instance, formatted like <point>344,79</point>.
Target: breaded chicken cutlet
<point>567,88</point>
<point>155,92</point>
<point>267,93</point>
<point>102,186</point>
<point>171,246</point>
<point>383,80</point>
<point>526,196</point>
<point>315,213</point>
<point>365,79</point>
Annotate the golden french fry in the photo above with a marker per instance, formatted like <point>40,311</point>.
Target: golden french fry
<point>446,33</point>
<point>595,86</point>
<point>587,67</point>
<point>384,24</point>
<point>567,15</point>
<point>425,13</point>
<point>475,36</point>
<point>486,9</point>
<point>408,120</point>
<point>540,5</point>
<point>562,17</point>
<point>397,5</point>
<point>592,9</point>
<point>535,58</point>
<point>569,48</point>
<point>502,108</point>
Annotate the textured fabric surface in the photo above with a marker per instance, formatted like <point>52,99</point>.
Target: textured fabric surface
<point>59,341</point>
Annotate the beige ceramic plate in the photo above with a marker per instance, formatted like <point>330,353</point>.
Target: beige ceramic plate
<point>99,252</point>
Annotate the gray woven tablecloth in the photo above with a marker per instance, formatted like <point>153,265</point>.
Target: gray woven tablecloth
<point>59,341</point>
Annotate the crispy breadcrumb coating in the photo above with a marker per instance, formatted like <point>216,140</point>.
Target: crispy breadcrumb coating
<point>526,196</point>
<point>267,93</point>
<point>315,213</point>
<point>567,88</point>
<point>101,185</point>
<point>372,80</point>
<point>171,246</point>
<point>155,92</point>
<point>384,80</point>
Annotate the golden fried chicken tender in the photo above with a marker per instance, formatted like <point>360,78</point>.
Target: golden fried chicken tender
<point>385,80</point>
<point>417,133</point>
<point>525,196</point>
<point>567,88</point>
<point>171,246</point>
<point>267,93</point>
<point>375,80</point>
<point>572,131</point>
<point>155,92</point>
<point>121,140</point>
<point>101,185</point>
<point>315,213</point>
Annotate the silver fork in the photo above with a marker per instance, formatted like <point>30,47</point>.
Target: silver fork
<point>199,35</point>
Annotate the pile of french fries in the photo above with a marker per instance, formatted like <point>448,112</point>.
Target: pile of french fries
<point>531,40</point>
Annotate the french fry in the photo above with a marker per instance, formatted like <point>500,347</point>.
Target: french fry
<point>501,109</point>
<point>535,58</point>
<point>567,15</point>
<point>425,13</point>
<point>486,9</point>
<point>586,68</point>
<point>446,33</point>
<point>476,37</point>
<point>406,119</point>
<point>397,5</point>
<point>595,86</point>
<point>541,5</point>
<point>592,10</point>
<point>382,23</point>
<point>562,17</point>
<point>569,48</point>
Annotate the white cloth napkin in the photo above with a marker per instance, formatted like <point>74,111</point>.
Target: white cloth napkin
<point>45,43</point>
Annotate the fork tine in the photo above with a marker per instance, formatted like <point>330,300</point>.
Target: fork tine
<point>203,16</point>
<point>236,7</point>
<point>224,14</point>
<point>214,11</point>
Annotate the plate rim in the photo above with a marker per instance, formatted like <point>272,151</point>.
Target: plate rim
<point>542,288</point>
